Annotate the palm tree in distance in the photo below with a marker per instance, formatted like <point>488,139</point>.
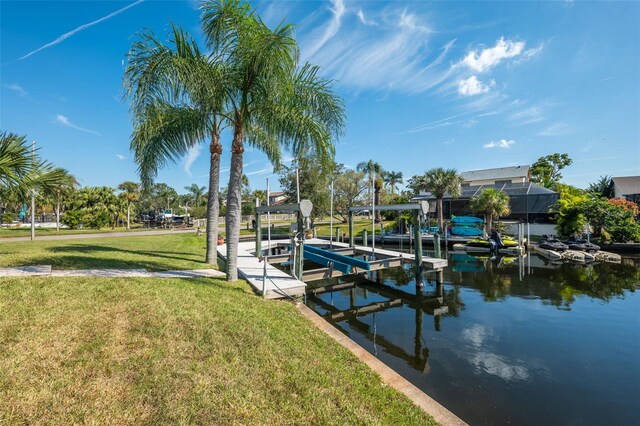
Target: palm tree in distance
<point>493,204</point>
<point>392,180</point>
<point>373,170</point>
<point>177,101</point>
<point>130,194</point>
<point>439,181</point>
<point>272,102</point>
<point>195,193</point>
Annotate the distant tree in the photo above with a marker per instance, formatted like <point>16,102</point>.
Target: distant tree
<point>440,181</point>
<point>196,194</point>
<point>130,193</point>
<point>166,193</point>
<point>94,207</point>
<point>493,204</point>
<point>392,180</point>
<point>373,170</point>
<point>61,190</point>
<point>546,171</point>
<point>349,188</point>
<point>603,187</point>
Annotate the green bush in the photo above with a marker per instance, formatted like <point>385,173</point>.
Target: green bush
<point>8,217</point>
<point>97,220</point>
<point>72,218</point>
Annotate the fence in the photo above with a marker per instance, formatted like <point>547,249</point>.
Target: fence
<point>247,220</point>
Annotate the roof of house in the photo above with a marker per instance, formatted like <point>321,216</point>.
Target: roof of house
<point>511,189</point>
<point>496,174</point>
<point>276,194</point>
<point>627,185</point>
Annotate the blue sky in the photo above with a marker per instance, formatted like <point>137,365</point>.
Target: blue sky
<point>468,85</point>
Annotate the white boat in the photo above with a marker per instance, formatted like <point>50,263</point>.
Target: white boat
<point>546,253</point>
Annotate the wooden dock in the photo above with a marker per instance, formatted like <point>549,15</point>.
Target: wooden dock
<point>278,283</point>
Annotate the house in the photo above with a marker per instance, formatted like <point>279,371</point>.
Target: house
<point>627,187</point>
<point>498,176</point>
<point>277,198</point>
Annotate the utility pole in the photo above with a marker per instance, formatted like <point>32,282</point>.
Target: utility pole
<point>33,193</point>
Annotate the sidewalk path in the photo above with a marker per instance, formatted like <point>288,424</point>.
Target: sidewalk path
<point>46,271</point>
<point>100,235</point>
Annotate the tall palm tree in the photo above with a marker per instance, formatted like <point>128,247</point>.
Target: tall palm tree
<point>373,169</point>
<point>130,194</point>
<point>16,161</point>
<point>195,193</point>
<point>392,180</point>
<point>439,181</point>
<point>60,190</point>
<point>493,204</point>
<point>177,98</point>
<point>272,102</point>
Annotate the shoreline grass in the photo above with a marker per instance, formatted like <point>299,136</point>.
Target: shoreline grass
<point>132,351</point>
<point>12,232</point>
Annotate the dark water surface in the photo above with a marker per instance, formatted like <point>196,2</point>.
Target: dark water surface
<point>507,340</point>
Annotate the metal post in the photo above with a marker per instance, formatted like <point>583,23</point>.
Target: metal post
<point>365,238</point>
<point>33,195</point>
<point>298,184</point>
<point>418,247</point>
<point>436,245</point>
<point>264,277</point>
<point>351,236</point>
<point>331,220</point>
<point>373,216</point>
<point>268,221</point>
<point>338,234</point>
<point>258,231</point>
<point>300,262</point>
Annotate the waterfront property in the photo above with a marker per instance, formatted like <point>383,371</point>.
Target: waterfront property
<point>627,187</point>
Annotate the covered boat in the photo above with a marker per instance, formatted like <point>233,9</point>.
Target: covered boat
<point>482,242</point>
<point>581,244</point>
<point>551,243</point>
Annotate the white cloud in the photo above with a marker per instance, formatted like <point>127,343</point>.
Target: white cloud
<point>121,157</point>
<point>502,143</point>
<point>61,119</point>
<point>472,86</point>
<point>364,20</point>
<point>330,30</point>
<point>65,36</point>
<point>192,155</point>
<point>557,129</point>
<point>488,58</point>
<point>16,88</point>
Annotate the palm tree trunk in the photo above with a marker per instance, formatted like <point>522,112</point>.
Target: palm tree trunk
<point>489,220</point>
<point>234,205</point>
<point>213,204</point>
<point>440,215</point>
<point>128,215</point>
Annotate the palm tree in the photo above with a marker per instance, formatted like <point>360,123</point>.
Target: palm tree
<point>61,189</point>
<point>373,171</point>
<point>272,102</point>
<point>493,203</point>
<point>392,180</point>
<point>439,181</point>
<point>195,193</point>
<point>130,194</point>
<point>16,161</point>
<point>177,101</point>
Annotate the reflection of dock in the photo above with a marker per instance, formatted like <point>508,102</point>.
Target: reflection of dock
<point>431,304</point>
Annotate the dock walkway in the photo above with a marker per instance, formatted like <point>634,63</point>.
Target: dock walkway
<point>278,284</point>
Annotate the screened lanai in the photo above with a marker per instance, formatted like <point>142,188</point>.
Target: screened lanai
<point>529,202</point>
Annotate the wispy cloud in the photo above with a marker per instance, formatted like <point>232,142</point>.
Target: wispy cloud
<point>529,115</point>
<point>557,129</point>
<point>485,59</point>
<point>121,157</point>
<point>16,88</point>
<point>472,86</point>
<point>63,120</point>
<point>192,155</point>
<point>65,36</point>
<point>326,33</point>
<point>502,143</point>
<point>447,121</point>
<point>364,20</point>
<point>260,172</point>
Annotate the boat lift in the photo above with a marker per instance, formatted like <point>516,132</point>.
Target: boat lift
<point>419,210</point>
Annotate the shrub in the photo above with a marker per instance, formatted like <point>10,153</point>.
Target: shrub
<point>625,204</point>
<point>8,217</point>
<point>72,218</point>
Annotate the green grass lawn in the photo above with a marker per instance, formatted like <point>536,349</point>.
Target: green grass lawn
<point>174,351</point>
<point>153,252</point>
<point>26,231</point>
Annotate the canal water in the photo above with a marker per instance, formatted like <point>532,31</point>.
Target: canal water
<point>505,340</point>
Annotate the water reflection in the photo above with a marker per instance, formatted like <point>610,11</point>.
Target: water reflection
<point>502,334</point>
